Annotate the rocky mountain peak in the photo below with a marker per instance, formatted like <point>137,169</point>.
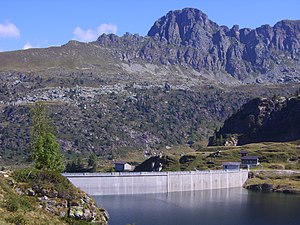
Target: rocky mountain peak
<point>183,26</point>
<point>187,37</point>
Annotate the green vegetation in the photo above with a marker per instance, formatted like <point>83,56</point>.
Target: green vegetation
<point>92,162</point>
<point>277,181</point>
<point>261,119</point>
<point>78,164</point>
<point>48,180</point>
<point>15,202</point>
<point>45,148</point>
<point>21,209</point>
<point>31,196</point>
<point>272,156</point>
<point>133,118</point>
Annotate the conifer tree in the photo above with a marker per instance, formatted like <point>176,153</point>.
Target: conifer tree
<point>92,162</point>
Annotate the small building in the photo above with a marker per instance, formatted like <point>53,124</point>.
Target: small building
<point>244,153</point>
<point>249,161</point>
<point>231,165</point>
<point>123,166</point>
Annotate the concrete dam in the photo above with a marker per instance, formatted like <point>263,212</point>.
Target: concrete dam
<point>125,183</point>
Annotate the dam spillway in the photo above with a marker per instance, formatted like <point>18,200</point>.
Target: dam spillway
<point>125,183</point>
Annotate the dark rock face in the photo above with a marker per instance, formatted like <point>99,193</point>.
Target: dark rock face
<point>184,27</point>
<point>265,187</point>
<point>260,120</point>
<point>188,38</point>
<point>152,164</point>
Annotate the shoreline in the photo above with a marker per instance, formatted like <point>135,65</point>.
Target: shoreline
<point>279,181</point>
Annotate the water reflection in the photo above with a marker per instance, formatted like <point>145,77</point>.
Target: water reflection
<point>212,197</point>
<point>214,207</point>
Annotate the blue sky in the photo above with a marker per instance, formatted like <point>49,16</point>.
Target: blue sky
<point>43,23</point>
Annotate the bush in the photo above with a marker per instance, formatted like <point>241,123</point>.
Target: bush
<point>19,220</point>
<point>277,166</point>
<point>72,221</point>
<point>25,175</point>
<point>47,180</point>
<point>12,203</point>
<point>15,202</point>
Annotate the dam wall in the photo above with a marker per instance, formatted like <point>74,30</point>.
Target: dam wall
<point>156,182</point>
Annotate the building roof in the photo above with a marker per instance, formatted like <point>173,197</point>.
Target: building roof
<point>120,162</point>
<point>231,163</point>
<point>250,157</point>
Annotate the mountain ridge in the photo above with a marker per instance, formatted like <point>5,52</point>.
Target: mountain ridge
<point>188,38</point>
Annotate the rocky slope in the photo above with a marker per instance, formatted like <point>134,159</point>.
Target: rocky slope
<point>262,120</point>
<point>188,38</point>
<point>44,197</point>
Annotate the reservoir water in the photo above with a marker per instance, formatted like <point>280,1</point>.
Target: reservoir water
<point>235,206</point>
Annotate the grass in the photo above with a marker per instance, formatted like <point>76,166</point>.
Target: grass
<point>278,179</point>
<point>284,155</point>
<point>272,155</point>
<point>46,180</point>
<point>16,209</point>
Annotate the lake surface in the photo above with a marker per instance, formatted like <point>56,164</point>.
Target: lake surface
<point>235,206</point>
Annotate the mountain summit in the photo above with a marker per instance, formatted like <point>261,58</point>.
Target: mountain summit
<point>184,27</point>
<point>188,38</point>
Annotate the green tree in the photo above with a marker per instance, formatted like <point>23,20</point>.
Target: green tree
<point>221,141</point>
<point>45,149</point>
<point>92,162</point>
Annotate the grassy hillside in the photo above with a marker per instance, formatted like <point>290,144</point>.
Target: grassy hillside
<point>272,155</point>
<point>36,197</point>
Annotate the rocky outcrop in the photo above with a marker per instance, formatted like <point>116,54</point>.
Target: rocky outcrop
<point>262,120</point>
<point>187,37</point>
<point>154,163</point>
<point>158,163</point>
<point>266,187</point>
<point>282,181</point>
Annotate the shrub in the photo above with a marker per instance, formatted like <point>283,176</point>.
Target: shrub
<point>11,203</point>
<point>47,180</point>
<point>15,202</point>
<point>18,219</point>
<point>72,221</point>
<point>25,175</point>
<point>277,166</point>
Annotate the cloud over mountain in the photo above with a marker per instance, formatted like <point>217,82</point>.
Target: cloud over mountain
<point>27,46</point>
<point>9,30</point>
<point>91,34</point>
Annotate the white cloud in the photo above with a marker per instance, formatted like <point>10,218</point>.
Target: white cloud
<point>28,45</point>
<point>107,29</point>
<point>9,30</point>
<point>92,35</point>
<point>82,35</point>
